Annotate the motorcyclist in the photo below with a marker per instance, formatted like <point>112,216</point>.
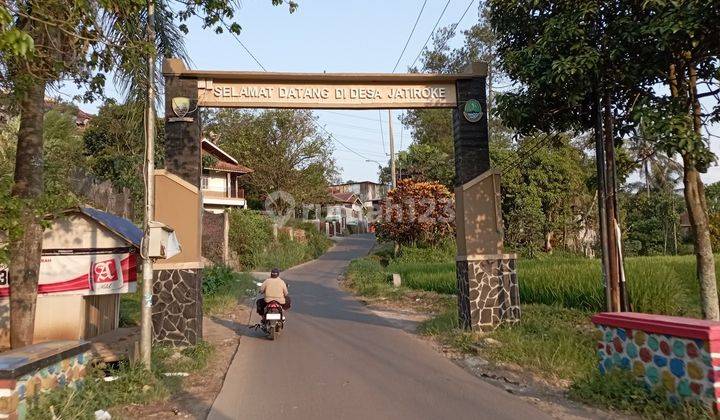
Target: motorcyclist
<point>273,289</point>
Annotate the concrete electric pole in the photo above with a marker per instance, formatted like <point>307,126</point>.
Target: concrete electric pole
<point>147,265</point>
<point>393,178</point>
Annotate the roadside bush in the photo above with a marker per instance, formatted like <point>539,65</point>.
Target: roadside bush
<point>443,252</point>
<point>216,278</point>
<point>134,385</point>
<point>285,253</point>
<point>316,241</point>
<point>250,234</point>
<point>416,213</point>
<point>367,276</point>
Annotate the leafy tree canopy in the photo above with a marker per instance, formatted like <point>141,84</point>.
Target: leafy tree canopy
<point>283,147</point>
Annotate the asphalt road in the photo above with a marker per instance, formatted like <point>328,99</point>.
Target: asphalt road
<point>336,360</point>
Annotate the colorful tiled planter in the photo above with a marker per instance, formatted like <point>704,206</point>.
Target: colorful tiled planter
<point>41,367</point>
<point>681,355</point>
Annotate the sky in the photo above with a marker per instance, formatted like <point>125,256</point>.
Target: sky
<point>328,36</point>
<point>335,36</point>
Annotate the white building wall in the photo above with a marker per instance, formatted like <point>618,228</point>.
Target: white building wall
<point>216,183</point>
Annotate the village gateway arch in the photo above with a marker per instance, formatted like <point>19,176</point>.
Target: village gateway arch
<point>487,283</point>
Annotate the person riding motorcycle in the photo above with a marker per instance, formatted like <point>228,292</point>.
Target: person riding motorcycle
<point>273,289</point>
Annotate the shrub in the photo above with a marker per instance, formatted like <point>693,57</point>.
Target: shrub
<point>216,278</point>
<point>285,253</point>
<point>416,212</point>
<point>443,252</point>
<point>250,234</point>
<point>367,276</point>
<point>134,385</point>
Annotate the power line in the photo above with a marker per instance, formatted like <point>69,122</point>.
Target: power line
<point>410,36</point>
<point>247,50</point>
<point>352,116</point>
<point>431,33</point>
<point>354,127</point>
<point>454,25</point>
<point>314,122</point>
<point>527,153</point>
<point>341,143</point>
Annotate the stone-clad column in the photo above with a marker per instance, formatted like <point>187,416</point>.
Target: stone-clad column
<point>487,284</point>
<point>177,291</point>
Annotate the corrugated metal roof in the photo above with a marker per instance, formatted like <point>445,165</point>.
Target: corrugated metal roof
<point>120,226</point>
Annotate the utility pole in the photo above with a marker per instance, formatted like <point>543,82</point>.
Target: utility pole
<point>393,178</point>
<point>147,264</point>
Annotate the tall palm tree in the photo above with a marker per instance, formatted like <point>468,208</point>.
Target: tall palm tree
<point>131,74</point>
<point>660,172</point>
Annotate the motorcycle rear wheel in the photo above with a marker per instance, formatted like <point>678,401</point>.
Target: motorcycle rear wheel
<point>272,331</point>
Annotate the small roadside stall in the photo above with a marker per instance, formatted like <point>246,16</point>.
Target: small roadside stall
<point>89,258</point>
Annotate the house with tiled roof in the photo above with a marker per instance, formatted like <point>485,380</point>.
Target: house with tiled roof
<point>346,208</point>
<point>370,193</point>
<point>222,185</point>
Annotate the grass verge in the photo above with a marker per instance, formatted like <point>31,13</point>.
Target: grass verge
<point>134,385</point>
<point>555,339</point>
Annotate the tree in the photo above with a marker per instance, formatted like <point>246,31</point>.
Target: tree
<point>431,154</point>
<point>416,213</point>
<point>283,147</point>
<point>567,55</point>
<point>423,162</point>
<point>42,41</point>
<point>545,190</point>
<point>113,147</point>
<point>688,45</point>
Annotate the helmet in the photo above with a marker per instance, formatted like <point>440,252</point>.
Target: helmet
<point>275,272</point>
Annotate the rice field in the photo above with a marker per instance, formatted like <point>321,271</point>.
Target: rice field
<point>663,285</point>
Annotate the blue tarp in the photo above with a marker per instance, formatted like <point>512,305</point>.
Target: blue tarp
<point>119,225</point>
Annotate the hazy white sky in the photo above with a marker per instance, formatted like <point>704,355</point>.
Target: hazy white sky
<point>335,36</point>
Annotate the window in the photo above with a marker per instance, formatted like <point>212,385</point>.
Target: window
<point>204,182</point>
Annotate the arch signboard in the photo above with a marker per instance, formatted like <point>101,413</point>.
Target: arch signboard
<point>485,299</point>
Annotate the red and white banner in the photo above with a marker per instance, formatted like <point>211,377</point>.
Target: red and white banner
<point>83,274</point>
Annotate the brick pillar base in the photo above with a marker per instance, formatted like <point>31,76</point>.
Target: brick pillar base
<point>488,292</point>
<point>177,307</point>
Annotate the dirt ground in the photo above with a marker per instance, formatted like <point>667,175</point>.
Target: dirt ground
<point>200,388</point>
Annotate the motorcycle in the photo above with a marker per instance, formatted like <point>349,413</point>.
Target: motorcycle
<point>273,318</point>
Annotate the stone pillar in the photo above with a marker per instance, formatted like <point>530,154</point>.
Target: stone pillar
<point>177,291</point>
<point>486,279</point>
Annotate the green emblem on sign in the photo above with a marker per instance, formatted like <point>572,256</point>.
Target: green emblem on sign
<point>473,110</point>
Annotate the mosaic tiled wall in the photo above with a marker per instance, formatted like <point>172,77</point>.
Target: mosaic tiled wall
<point>15,392</point>
<point>488,293</point>
<point>682,366</point>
